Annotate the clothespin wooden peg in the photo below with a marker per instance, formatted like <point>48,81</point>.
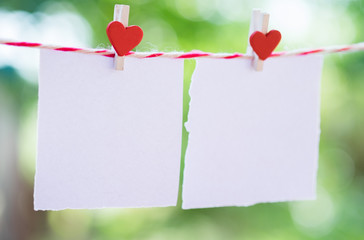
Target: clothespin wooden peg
<point>122,37</point>
<point>254,22</point>
<point>261,43</point>
<point>258,63</point>
<point>121,14</point>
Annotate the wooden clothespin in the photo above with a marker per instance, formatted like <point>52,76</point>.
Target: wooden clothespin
<point>261,43</point>
<point>122,37</point>
<point>121,14</point>
<point>259,22</point>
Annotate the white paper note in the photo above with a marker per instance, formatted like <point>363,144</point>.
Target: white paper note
<point>254,136</point>
<point>108,138</point>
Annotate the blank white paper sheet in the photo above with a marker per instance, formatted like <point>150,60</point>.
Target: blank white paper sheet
<point>108,138</point>
<point>253,136</point>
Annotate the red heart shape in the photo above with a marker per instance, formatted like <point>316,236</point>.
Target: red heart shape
<point>123,39</point>
<point>263,45</point>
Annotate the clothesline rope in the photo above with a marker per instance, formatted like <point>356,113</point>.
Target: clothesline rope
<point>185,55</point>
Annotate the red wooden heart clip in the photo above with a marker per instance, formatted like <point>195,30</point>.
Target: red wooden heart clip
<point>123,39</point>
<point>263,45</point>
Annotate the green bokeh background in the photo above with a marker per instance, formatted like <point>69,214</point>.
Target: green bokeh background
<point>184,25</point>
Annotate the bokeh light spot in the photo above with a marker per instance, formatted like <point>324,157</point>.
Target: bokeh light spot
<point>315,218</point>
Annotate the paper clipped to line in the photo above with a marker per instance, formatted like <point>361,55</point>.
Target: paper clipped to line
<point>108,138</point>
<point>254,136</point>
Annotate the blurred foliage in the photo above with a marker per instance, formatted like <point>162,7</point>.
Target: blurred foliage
<point>169,25</point>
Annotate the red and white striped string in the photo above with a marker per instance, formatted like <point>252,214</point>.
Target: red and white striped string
<point>186,55</point>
